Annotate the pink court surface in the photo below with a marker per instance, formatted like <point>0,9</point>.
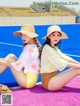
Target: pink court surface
<point>38,96</point>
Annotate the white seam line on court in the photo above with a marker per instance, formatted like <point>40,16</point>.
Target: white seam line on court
<point>22,46</point>
<point>73,55</point>
<point>11,44</point>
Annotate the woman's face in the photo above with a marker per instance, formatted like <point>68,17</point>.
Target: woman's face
<point>54,37</point>
<point>25,38</point>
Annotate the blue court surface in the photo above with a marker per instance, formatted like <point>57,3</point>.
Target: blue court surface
<point>12,44</point>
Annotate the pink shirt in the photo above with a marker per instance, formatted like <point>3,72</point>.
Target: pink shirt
<point>29,59</point>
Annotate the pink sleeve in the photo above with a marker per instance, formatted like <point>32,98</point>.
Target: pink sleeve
<point>19,64</point>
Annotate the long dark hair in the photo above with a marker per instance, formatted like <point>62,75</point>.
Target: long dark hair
<point>48,42</point>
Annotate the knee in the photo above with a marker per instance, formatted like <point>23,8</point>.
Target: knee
<point>11,58</point>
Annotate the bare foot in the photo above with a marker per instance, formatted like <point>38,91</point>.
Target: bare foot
<point>5,62</point>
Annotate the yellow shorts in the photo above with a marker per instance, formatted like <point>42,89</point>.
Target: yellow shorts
<point>31,79</point>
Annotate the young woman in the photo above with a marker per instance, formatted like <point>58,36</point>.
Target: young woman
<point>52,59</point>
<point>26,68</point>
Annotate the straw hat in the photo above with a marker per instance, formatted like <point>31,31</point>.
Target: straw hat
<point>54,28</point>
<point>27,29</point>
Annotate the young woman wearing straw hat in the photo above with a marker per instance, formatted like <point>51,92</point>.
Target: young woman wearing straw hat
<point>26,68</point>
<point>52,59</point>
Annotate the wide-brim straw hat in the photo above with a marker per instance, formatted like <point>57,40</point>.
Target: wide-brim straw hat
<point>55,28</point>
<point>28,30</point>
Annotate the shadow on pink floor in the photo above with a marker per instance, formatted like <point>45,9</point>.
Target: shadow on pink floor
<point>37,96</point>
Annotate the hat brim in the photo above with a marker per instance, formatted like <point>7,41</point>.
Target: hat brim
<point>63,36</point>
<point>29,34</point>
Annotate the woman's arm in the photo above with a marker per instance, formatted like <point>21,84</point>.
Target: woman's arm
<point>69,59</point>
<point>59,62</point>
<point>71,62</point>
<point>73,65</point>
<point>19,64</point>
<point>54,58</point>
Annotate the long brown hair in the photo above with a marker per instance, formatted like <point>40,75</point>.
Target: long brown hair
<point>37,44</point>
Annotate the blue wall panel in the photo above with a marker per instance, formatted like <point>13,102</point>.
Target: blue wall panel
<point>69,46</point>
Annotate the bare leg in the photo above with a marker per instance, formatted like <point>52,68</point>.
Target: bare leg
<point>2,66</point>
<point>20,77</point>
<point>8,58</point>
<point>60,80</point>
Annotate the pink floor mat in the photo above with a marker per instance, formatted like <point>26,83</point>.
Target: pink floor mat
<point>37,96</point>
